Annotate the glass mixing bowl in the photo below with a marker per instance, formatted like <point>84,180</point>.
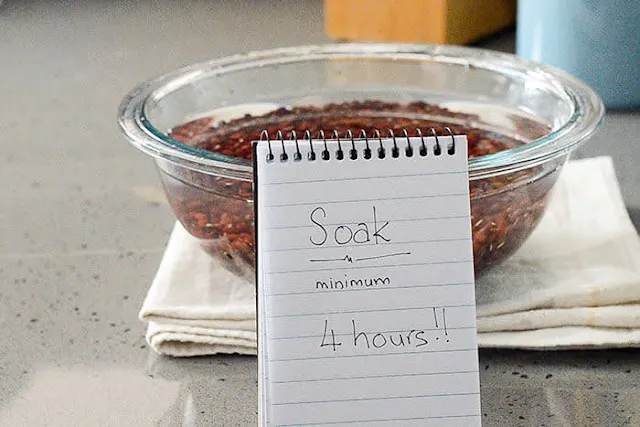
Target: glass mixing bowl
<point>491,96</point>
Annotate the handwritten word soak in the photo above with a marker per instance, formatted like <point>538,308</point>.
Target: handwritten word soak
<point>351,283</point>
<point>343,234</point>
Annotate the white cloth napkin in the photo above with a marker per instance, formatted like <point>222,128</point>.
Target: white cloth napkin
<point>195,307</point>
<point>574,284</point>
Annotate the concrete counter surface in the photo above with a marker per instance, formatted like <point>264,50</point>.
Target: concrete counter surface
<point>84,223</point>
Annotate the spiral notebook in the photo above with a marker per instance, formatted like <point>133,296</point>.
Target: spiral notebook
<point>365,282</point>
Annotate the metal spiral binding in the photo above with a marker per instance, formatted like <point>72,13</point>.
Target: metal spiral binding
<point>353,154</point>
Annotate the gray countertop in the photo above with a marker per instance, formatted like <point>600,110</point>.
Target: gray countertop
<point>83,224</point>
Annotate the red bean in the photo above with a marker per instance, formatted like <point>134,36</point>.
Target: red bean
<point>504,208</point>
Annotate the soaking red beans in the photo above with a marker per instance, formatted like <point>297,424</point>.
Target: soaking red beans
<point>504,208</point>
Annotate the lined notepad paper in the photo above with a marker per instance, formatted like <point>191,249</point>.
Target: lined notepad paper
<point>365,285</point>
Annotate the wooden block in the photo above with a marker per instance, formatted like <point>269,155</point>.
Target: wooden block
<point>385,20</point>
<point>470,20</point>
<point>421,21</point>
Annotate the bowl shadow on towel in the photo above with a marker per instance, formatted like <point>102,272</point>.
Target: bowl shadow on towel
<point>634,214</point>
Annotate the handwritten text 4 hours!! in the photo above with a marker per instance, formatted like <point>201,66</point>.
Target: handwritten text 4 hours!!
<point>362,339</point>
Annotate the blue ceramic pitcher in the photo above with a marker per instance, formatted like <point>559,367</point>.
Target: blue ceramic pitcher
<point>597,41</point>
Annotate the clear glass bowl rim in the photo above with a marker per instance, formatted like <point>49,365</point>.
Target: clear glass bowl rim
<point>587,107</point>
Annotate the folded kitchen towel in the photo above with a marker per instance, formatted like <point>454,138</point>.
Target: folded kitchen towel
<point>575,283</point>
<point>195,307</point>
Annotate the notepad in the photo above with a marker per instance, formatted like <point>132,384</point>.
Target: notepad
<point>365,283</point>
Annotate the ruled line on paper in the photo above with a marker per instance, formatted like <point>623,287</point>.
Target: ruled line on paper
<point>368,399</point>
<point>364,245</point>
<point>352,267</point>
<point>432,218</point>
<point>372,310</point>
<point>349,356</point>
<point>366,377</point>
<point>458,328</point>
<point>315,291</point>
<point>362,178</point>
<point>386,420</point>
<point>316,202</point>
